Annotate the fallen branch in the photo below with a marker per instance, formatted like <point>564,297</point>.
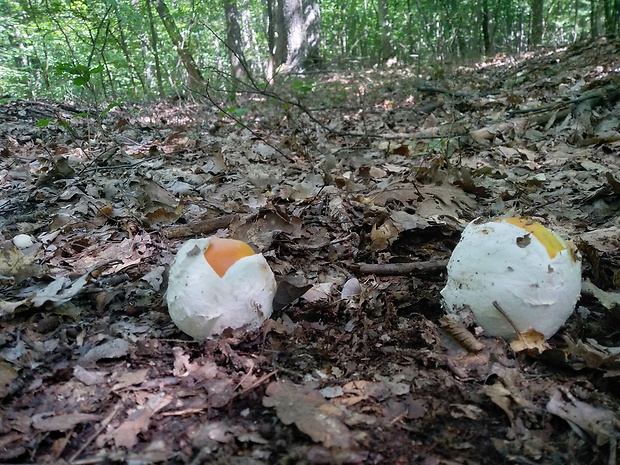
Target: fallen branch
<point>198,228</point>
<point>393,269</point>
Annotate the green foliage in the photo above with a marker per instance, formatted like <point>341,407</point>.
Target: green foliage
<point>235,112</point>
<point>44,122</point>
<point>107,49</point>
<point>303,87</point>
<point>81,74</point>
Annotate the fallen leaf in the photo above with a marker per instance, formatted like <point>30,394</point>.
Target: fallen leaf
<point>126,435</point>
<point>310,412</point>
<point>115,348</point>
<point>596,421</point>
<point>62,422</point>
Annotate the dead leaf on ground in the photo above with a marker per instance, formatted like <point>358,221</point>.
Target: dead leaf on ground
<point>599,422</point>
<point>63,422</point>
<point>310,412</point>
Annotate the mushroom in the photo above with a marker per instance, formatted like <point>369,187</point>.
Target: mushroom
<point>217,283</point>
<point>513,274</point>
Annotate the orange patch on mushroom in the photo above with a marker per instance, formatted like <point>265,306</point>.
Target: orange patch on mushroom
<point>224,253</point>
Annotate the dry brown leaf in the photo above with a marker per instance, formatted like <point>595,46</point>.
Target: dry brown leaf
<point>310,412</point>
<point>115,348</point>
<point>62,422</point>
<point>183,367</point>
<point>8,374</point>
<point>130,378</point>
<point>530,340</point>
<point>599,422</point>
<point>126,435</point>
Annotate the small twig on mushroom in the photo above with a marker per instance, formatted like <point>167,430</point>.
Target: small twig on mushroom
<point>501,310</point>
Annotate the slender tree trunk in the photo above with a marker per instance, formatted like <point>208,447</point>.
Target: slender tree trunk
<point>608,17</point>
<point>270,68</point>
<point>248,36</point>
<point>131,67</point>
<point>537,22</point>
<point>593,19</point>
<point>196,81</point>
<point>614,18</point>
<point>576,24</point>
<point>234,41</point>
<point>155,50</point>
<point>383,15</point>
<point>486,35</point>
<point>411,37</point>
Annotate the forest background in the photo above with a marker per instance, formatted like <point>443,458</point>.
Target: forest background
<point>113,50</point>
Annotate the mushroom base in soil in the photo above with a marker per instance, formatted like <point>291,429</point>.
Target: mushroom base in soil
<point>215,284</point>
<point>513,274</point>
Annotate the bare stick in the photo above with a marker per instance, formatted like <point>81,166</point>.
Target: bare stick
<point>397,269</point>
<point>198,228</point>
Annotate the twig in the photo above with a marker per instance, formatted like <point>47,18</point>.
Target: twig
<point>509,320</point>
<point>258,382</point>
<point>243,125</point>
<point>398,269</point>
<point>198,228</point>
<point>103,426</point>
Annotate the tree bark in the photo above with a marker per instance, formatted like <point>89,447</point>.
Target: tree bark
<point>486,34</point>
<point>593,19</point>
<point>196,81</point>
<point>294,34</point>
<point>234,42</point>
<point>154,42</point>
<point>385,26</point>
<point>537,22</point>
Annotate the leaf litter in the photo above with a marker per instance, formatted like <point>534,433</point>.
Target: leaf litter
<point>357,211</point>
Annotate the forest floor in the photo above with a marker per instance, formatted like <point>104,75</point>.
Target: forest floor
<point>335,177</point>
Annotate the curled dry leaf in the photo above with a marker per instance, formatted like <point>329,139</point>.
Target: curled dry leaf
<point>459,332</point>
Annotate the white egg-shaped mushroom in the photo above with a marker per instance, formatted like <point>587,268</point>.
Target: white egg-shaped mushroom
<point>513,269</point>
<point>217,283</point>
<point>23,241</point>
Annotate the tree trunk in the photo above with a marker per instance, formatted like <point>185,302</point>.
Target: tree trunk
<point>486,35</point>
<point>294,34</point>
<point>312,45</point>
<point>537,22</point>
<point>593,19</point>
<point>131,67</point>
<point>295,31</point>
<point>385,26</point>
<point>196,81</point>
<point>154,42</point>
<point>234,41</point>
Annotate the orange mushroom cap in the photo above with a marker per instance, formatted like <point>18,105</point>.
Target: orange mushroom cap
<point>223,253</point>
<point>552,242</point>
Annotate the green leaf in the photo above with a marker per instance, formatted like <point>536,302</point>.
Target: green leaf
<point>81,80</point>
<point>109,107</point>
<point>97,69</point>
<point>237,112</point>
<point>44,122</point>
<point>303,87</point>
<point>65,124</point>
